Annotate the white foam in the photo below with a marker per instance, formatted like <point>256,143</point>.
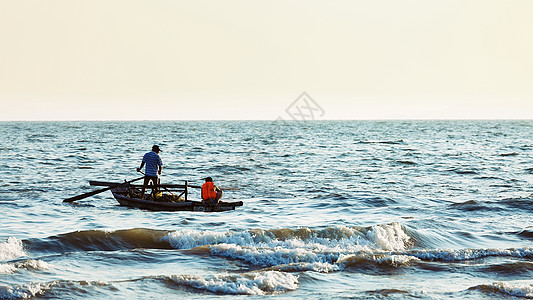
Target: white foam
<point>190,238</point>
<point>389,237</point>
<point>8,268</point>
<point>340,237</point>
<point>380,237</point>
<point>260,283</point>
<point>517,290</point>
<point>11,248</point>
<point>24,291</point>
<point>307,259</point>
<point>398,260</point>
<point>33,264</point>
<point>469,254</point>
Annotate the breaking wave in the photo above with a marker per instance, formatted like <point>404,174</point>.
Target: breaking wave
<point>326,250</point>
<point>290,250</point>
<point>11,248</point>
<point>385,237</point>
<point>272,254</point>
<point>252,283</point>
<point>30,264</point>
<point>506,289</point>
<point>24,291</point>
<point>322,250</point>
<point>258,283</point>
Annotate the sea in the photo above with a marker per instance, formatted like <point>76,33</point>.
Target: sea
<point>332,210</point>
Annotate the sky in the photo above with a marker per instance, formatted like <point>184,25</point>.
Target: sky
<point>248,59</point>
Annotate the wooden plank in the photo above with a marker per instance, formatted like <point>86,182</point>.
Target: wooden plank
<point>105,183</point>
<point>89,194</point>
<point>181,186</point>
<point>186,190</point>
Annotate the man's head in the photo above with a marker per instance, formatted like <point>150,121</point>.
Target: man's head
<point>207,179</point>
<point>156,149</point>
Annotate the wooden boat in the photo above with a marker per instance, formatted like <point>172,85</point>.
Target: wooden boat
<point>130,195</point>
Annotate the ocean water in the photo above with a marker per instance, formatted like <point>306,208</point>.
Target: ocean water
<point>332,210</point>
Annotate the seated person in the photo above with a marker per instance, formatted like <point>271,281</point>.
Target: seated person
<point>211,194</point>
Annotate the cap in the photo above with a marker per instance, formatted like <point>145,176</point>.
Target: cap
<point>156,148</point>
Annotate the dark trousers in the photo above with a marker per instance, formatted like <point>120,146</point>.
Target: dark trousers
<point>155,183</point>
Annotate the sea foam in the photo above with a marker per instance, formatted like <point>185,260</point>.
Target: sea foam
<point>514,289</point>
<point>11,248</point>
<point>30,264</point>
<point>258,283</point>
<point>7,268</point>
<point>24,291</point>
<point>518,290</point>
<point>389,237</point>
<point>469,254</point>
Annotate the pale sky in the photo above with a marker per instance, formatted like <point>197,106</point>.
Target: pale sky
<point>227,59</point>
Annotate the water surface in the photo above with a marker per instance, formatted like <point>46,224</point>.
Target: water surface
<point>332,209</point>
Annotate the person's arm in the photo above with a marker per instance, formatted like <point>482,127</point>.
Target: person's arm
<point>140,168</point>
<point>160,169</point>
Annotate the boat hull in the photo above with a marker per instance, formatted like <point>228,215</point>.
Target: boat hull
<point>124,200</point>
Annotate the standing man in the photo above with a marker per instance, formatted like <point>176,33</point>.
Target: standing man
<point>154,165</point>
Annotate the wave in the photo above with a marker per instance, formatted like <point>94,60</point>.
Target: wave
<point>24,291</point>
<point>255,283</point>
<point>11,248</point>
<point>300,259</point>
<point>463,171</point>
<point>327,250</point>
<point>509,154</point>
<point>98,240</point>
<point>386,237</point>
<point>7,268</point>
<point>331,249</point>
<point>366,260</point>
<point>377,201</point>
<point>286,249</point>
<point>528,234</point>
<point>392,142</point>
<point>469,254</point>
<point>390,293</point>
<point>473,205</point>
<point>506,289</point>
<point>252,283</point>
<point>405,162</point>
<point>518,268</point>
<point>58,289</point>
<point>513,203</point>
<point>520,203</point>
